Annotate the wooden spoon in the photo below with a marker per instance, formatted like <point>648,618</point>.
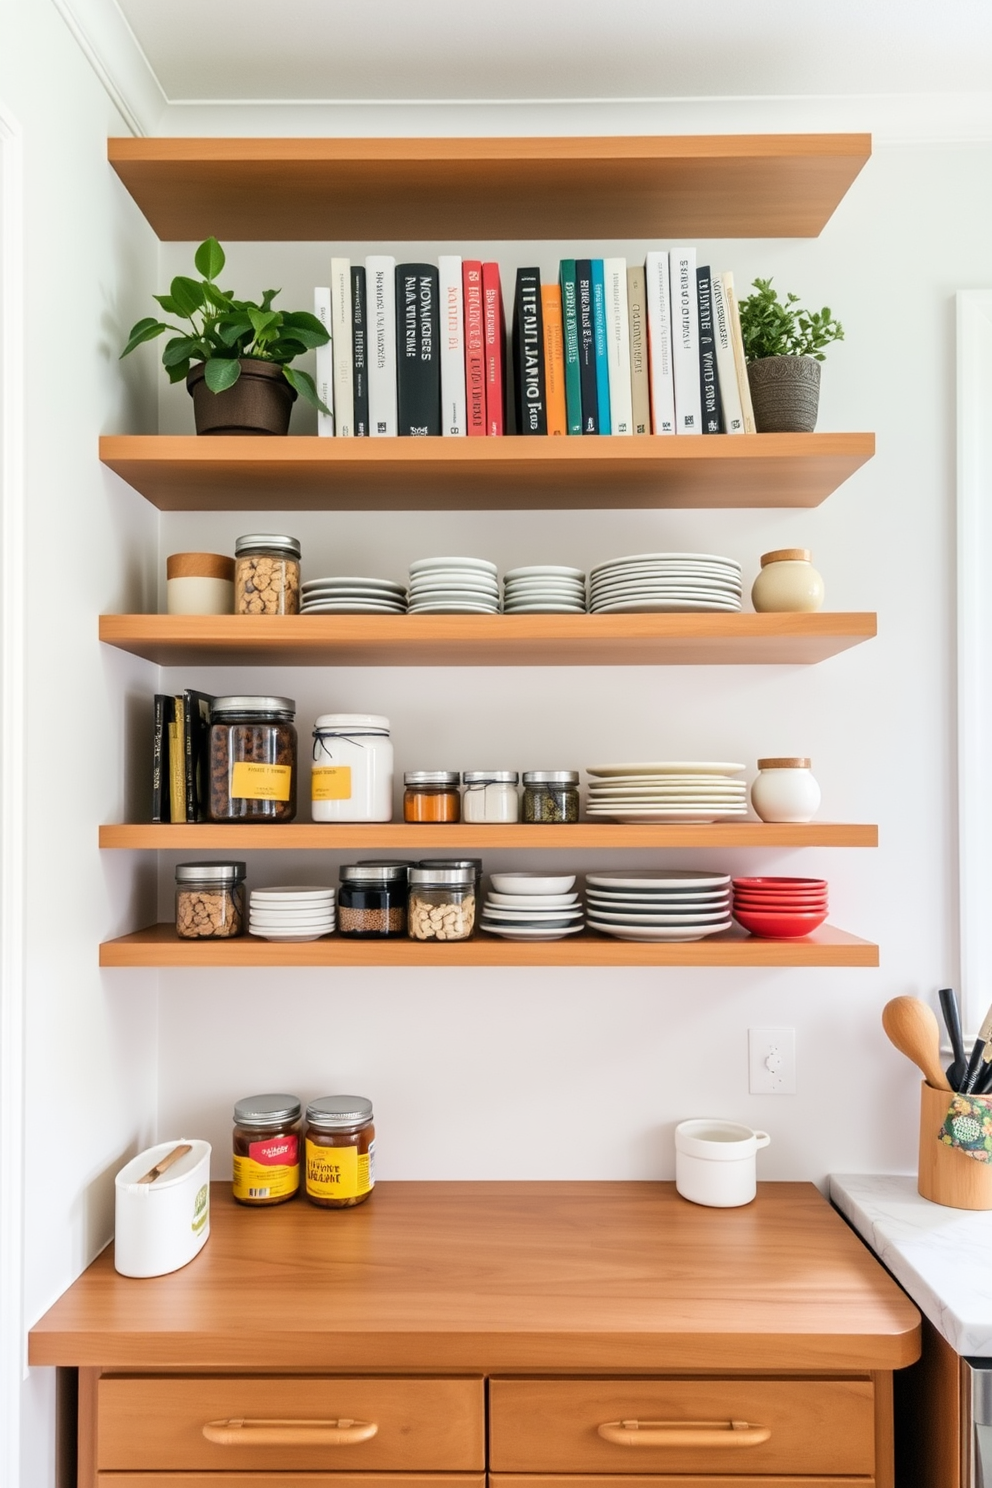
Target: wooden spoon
<point>912,1026</point>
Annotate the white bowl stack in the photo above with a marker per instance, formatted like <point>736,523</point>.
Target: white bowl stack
<point>673,791</point>
<point>532,906</point>
<point>659,904</point>
<point>453,586</point>
<point>292,912</point>
<point>352,596</point>
<point>659,583</point>
<point>544,589</point>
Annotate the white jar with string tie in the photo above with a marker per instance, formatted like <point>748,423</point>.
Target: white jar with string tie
<point>352,778</point>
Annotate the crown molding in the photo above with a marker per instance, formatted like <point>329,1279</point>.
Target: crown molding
<point>110,47</point>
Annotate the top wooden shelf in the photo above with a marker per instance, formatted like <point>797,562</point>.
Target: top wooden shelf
<point>704,186</point>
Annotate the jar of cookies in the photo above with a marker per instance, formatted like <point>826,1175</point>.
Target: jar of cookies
<point>252,757</point>
<point>210,900</point>
<point>266,575</point>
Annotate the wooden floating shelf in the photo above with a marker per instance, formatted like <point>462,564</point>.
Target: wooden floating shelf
<point>766,186</point>
<point>486,640</point>
<point>159,946</point>
<point>380,836</point>
<point>184,472</point>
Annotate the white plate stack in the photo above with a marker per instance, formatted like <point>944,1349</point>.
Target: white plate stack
<point>294,912</point>
<point>544,589</point>
<point>659,904</point>
<point>673,791</point>
<point>352,596</point>
<point>658,583</point>
<point>453,586</point>
<point>528,906</point>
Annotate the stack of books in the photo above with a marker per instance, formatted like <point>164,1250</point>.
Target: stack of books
<point>421,349</point>
<point>179,756</point>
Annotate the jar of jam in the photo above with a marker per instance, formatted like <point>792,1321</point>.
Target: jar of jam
<point>340,1151</point>
<point>252,759</point>
<point>431,796</point>
<point>266,1149</point>
<point>551,796</point>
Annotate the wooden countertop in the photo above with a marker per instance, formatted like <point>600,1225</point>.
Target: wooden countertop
<point>491,1277</point>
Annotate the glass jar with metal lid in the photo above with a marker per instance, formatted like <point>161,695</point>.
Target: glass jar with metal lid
<point>340,1151</point>
<point>210,900</point>
<point>442,903</point>
<point>372,900</point>
<point>352,775</point>
<point>266,575</point>
<point>490,796</point>
<point>431,796</point>
<point>474,863</point>
<point>266,1149</point>
<point>551,796</point>
<point>252,759</point>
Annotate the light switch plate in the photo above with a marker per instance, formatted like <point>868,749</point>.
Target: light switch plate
<point>771,1061</point>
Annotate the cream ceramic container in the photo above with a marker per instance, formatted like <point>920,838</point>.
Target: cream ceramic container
<point>715,1162</point>
<point>161,1226</point>
<point>199,584</point>
<point>787,582</point>
<point>784,791</point>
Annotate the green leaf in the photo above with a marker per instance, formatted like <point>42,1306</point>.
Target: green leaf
<point>145,330</point>
<point>268,297</point>
<point>304,385</point>
<point>216,297</point>
<point>179,372</point>
<point>168,304</point>
<point>231,329</point>
<point>209,259</point>
<point>187,295</point>
<point>306,329</point>
<point>262,320</point>
<point>221,373</point>
<point>180,349</point>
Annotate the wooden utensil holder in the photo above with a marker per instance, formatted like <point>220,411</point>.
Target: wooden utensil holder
<point>947,1176</point>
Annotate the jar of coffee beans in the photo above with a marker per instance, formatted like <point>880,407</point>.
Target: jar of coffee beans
<point>266,575</point>
<point>252,759</point>
<point>210,900</point>
<point>372,901</point>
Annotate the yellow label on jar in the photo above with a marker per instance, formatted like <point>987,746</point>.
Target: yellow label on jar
<point>250,782</point>
<point>330,783</point>
<point>254,1180</point>
<point>339,1172</point>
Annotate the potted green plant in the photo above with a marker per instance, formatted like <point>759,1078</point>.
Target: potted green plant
<point>235,355</point>
<point>783,346</point>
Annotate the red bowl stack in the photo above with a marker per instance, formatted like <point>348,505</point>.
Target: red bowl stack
<point>780,908</point>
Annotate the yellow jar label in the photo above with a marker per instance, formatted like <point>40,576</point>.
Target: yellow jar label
<point>250,782</point>
<point>254,1180</point>
<point>339,1172</point>
<point>330,783</point>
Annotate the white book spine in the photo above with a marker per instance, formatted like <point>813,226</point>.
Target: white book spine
<point>344,369</point>
<point>449,273</point>
<point>740,361</point>
<point>380,291</point>
<point>657,290</point>
<point>726,369</point>
<point>618,345</point>
<point>685,342</point>
<point>324,378</point>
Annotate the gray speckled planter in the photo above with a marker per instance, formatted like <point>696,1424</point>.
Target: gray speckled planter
<point>785,391</point>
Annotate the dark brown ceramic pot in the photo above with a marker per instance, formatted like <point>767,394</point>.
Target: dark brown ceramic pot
<point>260,402</point>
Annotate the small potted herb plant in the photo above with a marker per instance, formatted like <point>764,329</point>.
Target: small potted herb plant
<point>234,355</point>
<point>783,346</point>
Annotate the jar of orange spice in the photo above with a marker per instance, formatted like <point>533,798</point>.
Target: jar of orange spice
<point>431,796</point>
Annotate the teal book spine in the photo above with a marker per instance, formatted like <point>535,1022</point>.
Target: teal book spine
<point>570,330</point>
<point>599,333</point>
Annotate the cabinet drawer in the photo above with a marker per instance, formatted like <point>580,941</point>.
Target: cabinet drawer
<point>298,1480</point>
<point>680,1480</point>
<point>218,1422</point>
<point>680,1425</point>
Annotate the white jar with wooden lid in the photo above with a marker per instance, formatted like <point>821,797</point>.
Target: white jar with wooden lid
<point>199,584</point>
<point>787,582</point>
<point>784,790</point>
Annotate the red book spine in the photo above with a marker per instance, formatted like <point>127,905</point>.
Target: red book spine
<point>475,347</point>
<point>495,328</point>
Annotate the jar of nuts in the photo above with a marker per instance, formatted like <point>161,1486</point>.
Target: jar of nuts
<point>252,759</point>
<point>372,900</point>
<point>210,900</point>
<point>266,575</point>
<point>442,903</point>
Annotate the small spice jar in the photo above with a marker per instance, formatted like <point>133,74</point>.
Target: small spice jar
<point>252,759</point>
<point>442,903</point>
<point>352,776</point>
<point>787,582</point>
<point>210,901</point>
<point>490,796</point>
<point>551,796</point>
<point>199,584</point>
<point>266,575</point>
<point>266,1150</point>
<point>372,901</point>
<point>340,1151</point>
<point>784,790</point>
<point>431,796</point>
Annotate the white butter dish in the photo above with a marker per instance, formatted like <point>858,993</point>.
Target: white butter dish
<point>161,1225</point>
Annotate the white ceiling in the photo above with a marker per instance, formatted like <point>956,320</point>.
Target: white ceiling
<point>323,50</point>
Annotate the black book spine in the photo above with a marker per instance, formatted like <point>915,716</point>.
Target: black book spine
<point>164,714</point>
<point>587,346</point>
<point>528,354</point>
<point>709,382</point>
<point>418,349</point>
<point>196,728</point>
<point>359,346</point>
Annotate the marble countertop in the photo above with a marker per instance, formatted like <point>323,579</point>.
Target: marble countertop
<point>942,1257</point>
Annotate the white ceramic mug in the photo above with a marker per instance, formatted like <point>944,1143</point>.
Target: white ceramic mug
<point>714,1162</point>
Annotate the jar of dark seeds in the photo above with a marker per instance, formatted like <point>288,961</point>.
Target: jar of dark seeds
<point>551,796</point>
<point>210,900</point>
<point>372,901</point>
<point>252,759</point>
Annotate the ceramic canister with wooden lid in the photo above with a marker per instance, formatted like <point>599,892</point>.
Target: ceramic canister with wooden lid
<point>199,584</point>
<point>787,582</point>
<point>784,790</point>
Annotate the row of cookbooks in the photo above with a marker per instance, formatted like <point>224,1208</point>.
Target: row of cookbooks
<point>419,349</point>
<point>179,763</point>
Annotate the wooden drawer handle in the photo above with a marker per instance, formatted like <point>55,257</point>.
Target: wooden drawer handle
<point>241,1432</point>
<point>684,1433</point>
